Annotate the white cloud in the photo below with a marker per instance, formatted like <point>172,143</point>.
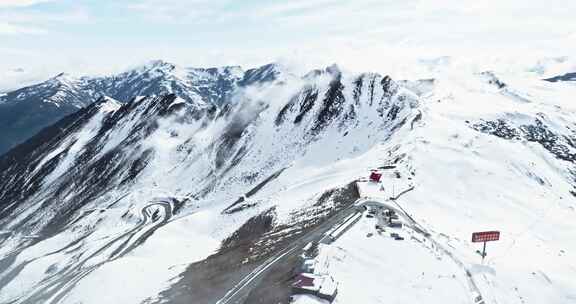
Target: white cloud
<point>22,21</point>
<point>177,10</point>
<point>13,76</point>
<point>364,34</point>
<point>294,6</point>
<point>76,15</point>
<point>20,3</point>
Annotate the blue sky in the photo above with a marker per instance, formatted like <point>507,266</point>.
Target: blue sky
<point>44,37</point>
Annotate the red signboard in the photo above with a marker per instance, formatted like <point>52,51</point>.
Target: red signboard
<point>485,236</point>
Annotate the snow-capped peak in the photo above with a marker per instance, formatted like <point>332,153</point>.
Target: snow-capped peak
<point>159,65</point>
<point>263,74</point>
<point>108,104</point>
<point>63,78</point>
<point>333,69</point>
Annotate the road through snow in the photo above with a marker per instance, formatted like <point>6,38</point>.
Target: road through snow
<point>241,290</point>
<point>474,291</point>
<point>55,288</point>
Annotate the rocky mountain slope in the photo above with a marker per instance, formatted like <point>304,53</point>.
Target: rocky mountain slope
<point>92,188</point>
<point>164,199</point>
<point>26,111</point>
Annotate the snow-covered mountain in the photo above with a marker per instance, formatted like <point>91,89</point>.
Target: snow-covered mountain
<point>565,77</point>
<point>166,199</point>
<point>26,111</point>
<point>84,183</point>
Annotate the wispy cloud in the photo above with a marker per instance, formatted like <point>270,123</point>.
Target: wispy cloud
<point>76,15</point>
<point>295,7</point>
<point>361,33</point>
<point>177,11</point>
<point>20,17</point>
<point>21,3</point>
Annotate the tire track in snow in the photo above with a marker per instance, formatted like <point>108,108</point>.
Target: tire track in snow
<point>153,216</point>
<point>473,287</point>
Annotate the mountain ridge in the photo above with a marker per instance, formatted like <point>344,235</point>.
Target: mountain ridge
<point>24,111</point>
<point>193,197</point>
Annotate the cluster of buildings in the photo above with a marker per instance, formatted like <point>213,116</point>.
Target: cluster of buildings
<point>312,277</point>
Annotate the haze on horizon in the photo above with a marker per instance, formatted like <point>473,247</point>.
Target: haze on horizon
<point>40,38</point>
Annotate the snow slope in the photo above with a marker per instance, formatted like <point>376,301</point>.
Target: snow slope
<point>471,178</point>
<point>26,111</point>
<point>379,269</point>
<point>481,158</point>
<point>88,200</point>
<point>154,184</point>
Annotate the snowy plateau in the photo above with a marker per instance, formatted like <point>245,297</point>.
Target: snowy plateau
<point>174,185</point>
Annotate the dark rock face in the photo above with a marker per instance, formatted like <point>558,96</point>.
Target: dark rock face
<point>263,74</point>
<point>219,86</point>
<point>561,146</point>
<point>309,97</point>
<point>322,107</point>
<point>498,128</point>
<point>331,105</point>
<point>493,80</point>
<point>565,77</point>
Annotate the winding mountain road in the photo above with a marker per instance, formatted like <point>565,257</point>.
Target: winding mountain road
<point>57,286</point>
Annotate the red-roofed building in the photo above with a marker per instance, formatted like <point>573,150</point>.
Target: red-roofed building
<point>375,177</point>
<point>322,286</point>
<point>303,281</point>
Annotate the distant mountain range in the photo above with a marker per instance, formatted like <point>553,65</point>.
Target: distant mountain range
<point>565,77</point>
<point>25,111</point>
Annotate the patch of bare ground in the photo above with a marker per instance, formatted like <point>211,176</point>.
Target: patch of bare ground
<point>253,243</point>
<point>275,287</point>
